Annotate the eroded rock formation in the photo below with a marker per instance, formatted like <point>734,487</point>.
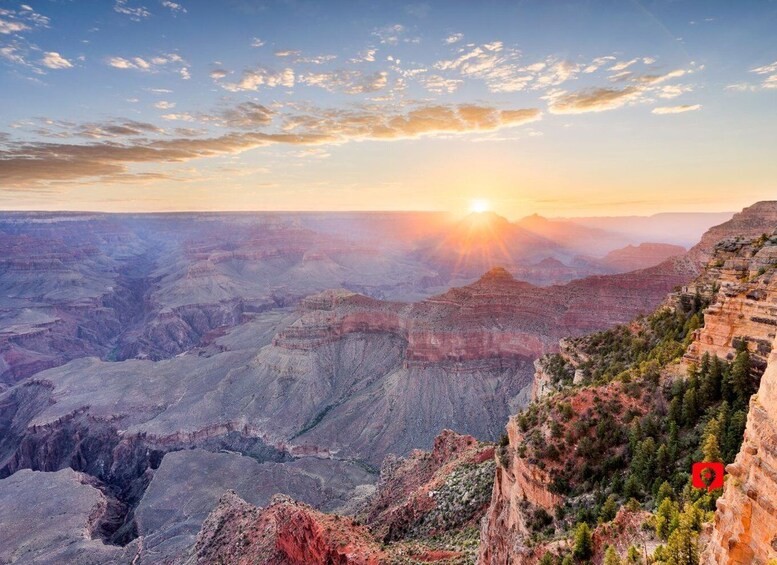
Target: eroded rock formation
<point>745,529</point>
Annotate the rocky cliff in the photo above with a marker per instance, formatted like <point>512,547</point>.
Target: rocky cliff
<point>745,529</point>
<point>636,371</point>
<point>744,311</point>
<point>426,509</point>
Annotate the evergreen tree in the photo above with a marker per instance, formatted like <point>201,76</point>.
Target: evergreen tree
<point>711,449</point>
<point>690,406</point>
<point>682,547</point>
<point>631,488</point>
<point>611,556</point>
<point>663,462</point>
<point>584,544</point>
<point>674,441</point>
<point>633,555</point>
<point>609,510</point>
<point>666,518</point>
<point>665,491</point>
<point>740,378</point>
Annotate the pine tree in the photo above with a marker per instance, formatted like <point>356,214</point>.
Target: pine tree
<point>611,556</point>
<point>631,488</point>
<point>584,544</point>
<point>674,441</point>
<point>711,448</point>
<point>690,406</point>
<point>663,462</point>
<point>740,377</point>
<point>682,547</point>
<point>666,518</point>
<point>664,491</point>
<point>633,555</point>
<point>609,510</point>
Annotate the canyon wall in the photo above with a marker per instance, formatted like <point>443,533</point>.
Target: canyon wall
<point>745,529</point>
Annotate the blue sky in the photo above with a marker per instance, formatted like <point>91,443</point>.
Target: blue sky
<point>563,108</point>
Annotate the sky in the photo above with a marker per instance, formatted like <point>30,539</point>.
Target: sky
<point>561,108</point>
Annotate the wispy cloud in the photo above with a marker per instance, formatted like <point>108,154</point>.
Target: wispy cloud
<point>770,75</point>
<point>348,81</point>
<point>135,13</point>
<point>676,109</point>
<point>454,38</point>
<point>174,7</point>
<point>171,61</point>
<point>37,164</point>
<point>253,79</point>
<point>593,100</point>
<point>391,34</point>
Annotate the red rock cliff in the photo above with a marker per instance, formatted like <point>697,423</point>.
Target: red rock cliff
<point>745,529</point>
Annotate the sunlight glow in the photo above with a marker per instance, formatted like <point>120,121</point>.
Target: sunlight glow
<point>479,206</point>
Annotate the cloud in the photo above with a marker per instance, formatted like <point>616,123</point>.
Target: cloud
<point>54,60</point>
<point>12,54</point>
<point>454,38</point>
<point>389,35</point>
<point>348,81</point>
<point>593,100</point>
<point>256,42</point>
<point>181,117</point>
<point>769,81</point>
<point>37,164</point>
<point>286,53</point>
<point>252,79</point>
<point>368,55</point>
<point>676,109</point>
<point>62,129</point>
<point>623,65</point>
<point>499,67</point>
<point>218,74</point>
<point>658,79</point>
<point>165,61</point>
<point>136,13</point>
<point>244,115</point>
<point>7,27</point>
<point>174,7</point>
<point>135,63</point>
<point>439,84</point>
<point>164,105</point>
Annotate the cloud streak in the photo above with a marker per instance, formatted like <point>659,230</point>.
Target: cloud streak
<point>594,100</point>
<point>676,109</point>
<point>37,164</point>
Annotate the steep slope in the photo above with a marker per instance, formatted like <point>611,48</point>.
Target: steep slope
<point>745,529</point>
<point>424,511</point>
<point>621,409</point>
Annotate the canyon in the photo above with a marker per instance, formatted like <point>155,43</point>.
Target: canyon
<point>222,361</point>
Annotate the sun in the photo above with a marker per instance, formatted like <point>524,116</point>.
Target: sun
<point>479,205</point>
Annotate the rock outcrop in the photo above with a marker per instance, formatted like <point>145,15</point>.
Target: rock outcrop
<point>745,528</point>
<point>519,487</point>
<point>744,272</point>
<point>285,532</point>
<point>425,510</point>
